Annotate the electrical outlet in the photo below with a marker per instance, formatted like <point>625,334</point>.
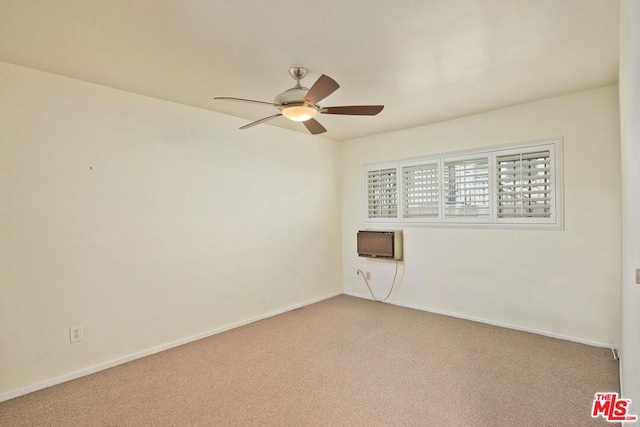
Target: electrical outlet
<point>368,275</point>
<point>75,334</point>
<point>638,276</point>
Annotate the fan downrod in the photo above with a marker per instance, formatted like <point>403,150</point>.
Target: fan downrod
<point>298,73</point>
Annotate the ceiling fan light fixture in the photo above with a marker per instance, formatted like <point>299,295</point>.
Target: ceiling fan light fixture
<point>300,113</point>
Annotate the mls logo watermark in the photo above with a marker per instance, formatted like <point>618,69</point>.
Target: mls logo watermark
<point>611,408</point>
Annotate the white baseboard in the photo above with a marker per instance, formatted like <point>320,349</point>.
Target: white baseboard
<point>115,362</point>
<point>490,322</point>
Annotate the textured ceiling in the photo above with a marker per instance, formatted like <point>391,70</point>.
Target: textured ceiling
<point>425,60</point>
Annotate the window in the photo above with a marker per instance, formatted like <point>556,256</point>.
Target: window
<point>421,191</point>
<point>524,185</point>
<point>510,186</point>
<point>382,193</point>
<point>467,188</point>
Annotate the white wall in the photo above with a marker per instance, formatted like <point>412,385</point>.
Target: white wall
<point>564,283</point>
<point>148,222</point>
<point>630,142</point>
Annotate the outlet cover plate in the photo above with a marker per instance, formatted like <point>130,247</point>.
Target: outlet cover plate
<point>75,334</point>
<point>638,276</point>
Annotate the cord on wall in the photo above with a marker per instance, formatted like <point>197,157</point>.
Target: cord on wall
<point>361,273</point>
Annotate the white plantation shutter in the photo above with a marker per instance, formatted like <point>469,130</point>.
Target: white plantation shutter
<point>524,183</point>
<point>509,186</point>
<point>421,191</point>
<point>467,188</point>
<point>382,193</point>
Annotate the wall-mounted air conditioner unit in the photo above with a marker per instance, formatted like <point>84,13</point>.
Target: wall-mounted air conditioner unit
<point>380,244</point>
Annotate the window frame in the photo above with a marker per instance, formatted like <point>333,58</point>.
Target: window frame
<point>555,222</point>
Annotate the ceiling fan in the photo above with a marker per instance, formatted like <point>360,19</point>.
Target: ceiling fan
<point>301,104</point>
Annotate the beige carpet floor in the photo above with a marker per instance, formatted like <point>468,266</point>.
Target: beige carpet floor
<point>341,362</point>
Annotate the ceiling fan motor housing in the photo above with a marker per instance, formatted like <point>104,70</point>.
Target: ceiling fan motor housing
<point>294,96</point>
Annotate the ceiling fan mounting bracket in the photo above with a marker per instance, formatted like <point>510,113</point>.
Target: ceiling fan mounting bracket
<point>298,73</point>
